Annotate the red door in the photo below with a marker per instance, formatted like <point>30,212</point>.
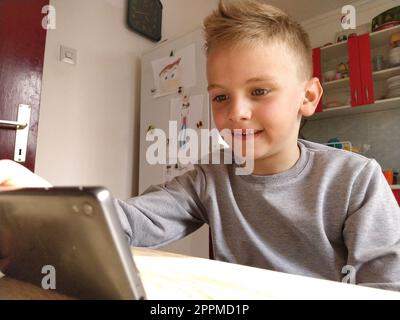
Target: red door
<point>316,56</point>
<point>367,85</point>
<point>354,72</point>
<point>22,44</point>
<point>361,83</point>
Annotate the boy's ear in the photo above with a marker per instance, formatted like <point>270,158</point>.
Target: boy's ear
<point>312,97</point>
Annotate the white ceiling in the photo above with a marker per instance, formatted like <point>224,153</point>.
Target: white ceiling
<point>305,9</point>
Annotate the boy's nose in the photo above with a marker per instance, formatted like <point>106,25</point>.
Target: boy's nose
<point>239,110</point>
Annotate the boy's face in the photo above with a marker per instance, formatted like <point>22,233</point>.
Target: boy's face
<point>257,88</point>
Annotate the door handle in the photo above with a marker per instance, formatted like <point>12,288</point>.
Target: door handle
<point>17,125</point>
<point>22,131</point>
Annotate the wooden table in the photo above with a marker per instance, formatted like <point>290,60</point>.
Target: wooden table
<point>171,276</point>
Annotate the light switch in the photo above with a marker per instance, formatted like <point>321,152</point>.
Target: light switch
<point>68,55</point>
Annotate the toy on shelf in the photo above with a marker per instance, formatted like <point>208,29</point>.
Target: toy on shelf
<point>343,69</point>
<point>348,146</point>
<point>395,40</point>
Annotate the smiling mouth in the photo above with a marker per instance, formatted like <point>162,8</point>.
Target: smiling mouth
<point>243,135</point>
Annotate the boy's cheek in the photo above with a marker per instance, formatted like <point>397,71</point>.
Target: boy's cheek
<point>281,111</point>
<point>219,120</point>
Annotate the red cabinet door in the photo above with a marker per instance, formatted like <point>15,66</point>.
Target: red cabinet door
<point>367,85</point>
<point>361,82</point>
<point>397,195</point>
<point>316,56</point>
<point>355,73</point>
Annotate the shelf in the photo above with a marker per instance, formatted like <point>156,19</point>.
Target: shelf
<point>335,84</point>
<point>334,109</point>
<point>334,51</point>
<point>378,39</point>
<point>379,105</point>
<point>395,187</point>
<point>386,73</point>
<point>382,38</point>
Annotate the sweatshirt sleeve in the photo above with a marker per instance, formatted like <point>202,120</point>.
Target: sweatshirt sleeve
<point>372,230</point>
<point>166,212</point>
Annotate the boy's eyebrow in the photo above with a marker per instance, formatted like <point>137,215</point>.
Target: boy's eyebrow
<point>213,86</point>
<point>260,79</point>
<point>256,79</point>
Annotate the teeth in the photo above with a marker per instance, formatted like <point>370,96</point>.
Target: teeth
<point>243,134</point>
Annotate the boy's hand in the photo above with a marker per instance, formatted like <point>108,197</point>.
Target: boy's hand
<point>15,176</point>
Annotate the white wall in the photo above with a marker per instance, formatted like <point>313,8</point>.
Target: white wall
<point>89,116</point>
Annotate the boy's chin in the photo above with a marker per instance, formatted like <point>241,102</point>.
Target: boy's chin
<point>249,155</point>
<point>253,154</point>
<point>254,157</point>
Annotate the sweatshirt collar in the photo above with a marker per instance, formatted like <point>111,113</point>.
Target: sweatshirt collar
<point>284,176</point>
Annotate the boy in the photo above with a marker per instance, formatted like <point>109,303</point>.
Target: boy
<point>307,209</point>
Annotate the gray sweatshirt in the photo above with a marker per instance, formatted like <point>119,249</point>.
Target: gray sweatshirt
<point>329,216</point>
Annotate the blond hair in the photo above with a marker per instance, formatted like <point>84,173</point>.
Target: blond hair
<point>251,21</point>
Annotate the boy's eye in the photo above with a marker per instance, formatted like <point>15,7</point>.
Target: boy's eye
<point>220,98</point>
<point>259,92</point>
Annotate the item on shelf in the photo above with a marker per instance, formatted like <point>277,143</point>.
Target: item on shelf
<point>348,146</point>
<point>343,69</point>
<point>394,88</point>
<point>338,76</point>
<point>395,40</point>
<point>393,85</point>
<point>393,80</point>
<point>327,44</point>
<point>344,35</point>
<point>394,93</point>
<point>335,143</point>
<point>388,25</point>
<point>394,57</point>
<point>341,38</point>
<point>379,63</point>
<point>386,19</point>
<point>388,175</point>
<point>355,149</point>
<point>329,75</point>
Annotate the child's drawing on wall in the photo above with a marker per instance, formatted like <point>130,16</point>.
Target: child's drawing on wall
<point>170,77</point>
<point>187,113</point>
<point>184,122</point>
<point>178,69</point>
